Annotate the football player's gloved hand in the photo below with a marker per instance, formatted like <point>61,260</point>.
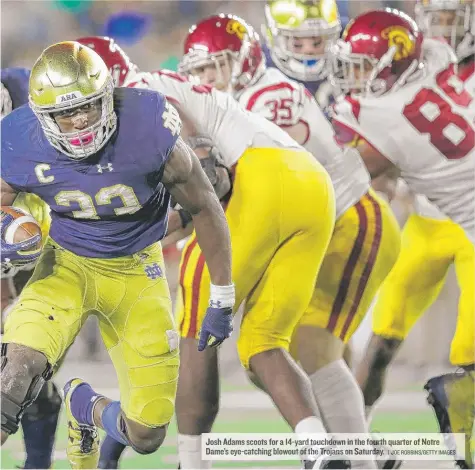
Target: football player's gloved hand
<point>17,256</point>
<point>217,173</point>
<point>218,321</point>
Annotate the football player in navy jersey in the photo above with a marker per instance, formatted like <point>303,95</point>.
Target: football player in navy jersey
<point>106,162</point>
<point>40,420</point>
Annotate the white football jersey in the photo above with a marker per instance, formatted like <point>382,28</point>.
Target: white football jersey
<point>289,105</point>
<point>423,207</point>
<point>217,115</point>
<point>427,129</point>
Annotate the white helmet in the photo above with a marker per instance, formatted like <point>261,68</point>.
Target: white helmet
<point>458,27</point>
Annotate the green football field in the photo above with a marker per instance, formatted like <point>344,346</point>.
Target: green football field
<point>229,421</point>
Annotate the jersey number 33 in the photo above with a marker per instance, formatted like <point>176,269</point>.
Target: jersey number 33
<point>172,122</point>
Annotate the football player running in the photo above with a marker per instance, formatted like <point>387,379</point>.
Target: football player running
<point>40,420</point>
<point>258,153</point>
<point>365,242</point>
<point>413,112</point>
<point>77,146</point>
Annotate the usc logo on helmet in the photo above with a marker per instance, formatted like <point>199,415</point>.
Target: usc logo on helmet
<point>237,28</point>
<point>401,38</point>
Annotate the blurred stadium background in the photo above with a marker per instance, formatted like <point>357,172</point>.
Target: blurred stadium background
<point>152,32</point>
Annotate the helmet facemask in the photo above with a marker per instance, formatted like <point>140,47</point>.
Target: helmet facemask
<point>303,66</point>
<point>213,69</point>
<point>449,20</point>
<point>299,35</point>
<point>228,65</point>
<point>83,143</point>
<point>354,73</point>
<point>364,75</point>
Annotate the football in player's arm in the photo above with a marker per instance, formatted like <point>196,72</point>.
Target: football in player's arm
<point>190,187</point>
<point>67,133</point>
<point>39,422</point>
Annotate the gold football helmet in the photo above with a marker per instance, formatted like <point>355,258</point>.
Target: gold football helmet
<point>68,76</point>
<point>289,21</point>
<point>453,20</point>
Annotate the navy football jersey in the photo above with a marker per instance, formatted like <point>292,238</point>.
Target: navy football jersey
<point>113,203</point>
<point>16,81</point>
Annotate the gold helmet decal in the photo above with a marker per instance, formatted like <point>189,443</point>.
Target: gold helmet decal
<point>64,72</point>
<point>237,28</point>
<point>401,38</point>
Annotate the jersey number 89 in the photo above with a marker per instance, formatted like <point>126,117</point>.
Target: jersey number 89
<point>431,113</point>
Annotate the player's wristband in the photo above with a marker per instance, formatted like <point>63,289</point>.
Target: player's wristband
<point>222,296</point>
<point>185,217</point>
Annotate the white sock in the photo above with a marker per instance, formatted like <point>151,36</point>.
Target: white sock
<point>189,452</point>
<point>310,425</point>
<point>369,411</point>
<point>341,403</point>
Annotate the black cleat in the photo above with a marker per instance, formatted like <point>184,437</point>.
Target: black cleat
<point>326,462</point>
<point>452,398</point>
<point>389,464</point>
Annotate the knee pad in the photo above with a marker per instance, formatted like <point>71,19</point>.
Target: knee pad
<point>24,372</point>
<point>48,403</point>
